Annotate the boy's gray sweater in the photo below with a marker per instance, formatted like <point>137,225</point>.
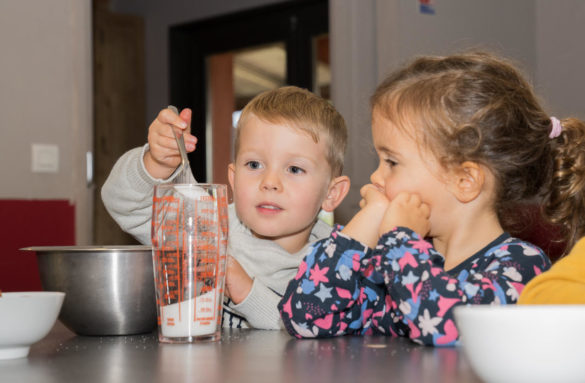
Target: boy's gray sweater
<point>127,195</point>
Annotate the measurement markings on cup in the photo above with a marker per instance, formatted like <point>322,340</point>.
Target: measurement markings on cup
<point>189,237</point>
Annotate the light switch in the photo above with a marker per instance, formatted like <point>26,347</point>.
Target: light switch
<point>45,158</point>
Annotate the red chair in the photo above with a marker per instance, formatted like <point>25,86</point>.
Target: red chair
<point>532,227</point>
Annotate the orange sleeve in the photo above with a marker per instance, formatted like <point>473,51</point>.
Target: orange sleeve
<point>564,283</point>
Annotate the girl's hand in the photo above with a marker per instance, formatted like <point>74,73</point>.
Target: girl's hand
<point>364,225</point>
<point>237,282</point>
<point>163,157</point>
<point>373,198</point>
<point>407,210</point>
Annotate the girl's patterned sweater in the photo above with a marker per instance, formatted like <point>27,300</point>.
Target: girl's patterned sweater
<point>400,288</point>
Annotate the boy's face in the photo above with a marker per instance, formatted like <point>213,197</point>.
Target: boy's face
<point>280,179</point>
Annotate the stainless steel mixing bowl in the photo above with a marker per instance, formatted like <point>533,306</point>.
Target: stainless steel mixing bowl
<point>108,290</point>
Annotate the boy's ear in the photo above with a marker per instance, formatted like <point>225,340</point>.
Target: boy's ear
<point>467,181</point>
<point>338,189</point>
<point>231,175</point>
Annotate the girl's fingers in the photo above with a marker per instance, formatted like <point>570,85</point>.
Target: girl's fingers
<point>418,203</point>
<point>409,199</point>
<point>415,200</point>
<point>402,197</point>
<point>363,190</point>
<point>370,187</point>
<point>426,210</point>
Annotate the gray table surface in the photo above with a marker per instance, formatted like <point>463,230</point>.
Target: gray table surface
<point>241,356</point>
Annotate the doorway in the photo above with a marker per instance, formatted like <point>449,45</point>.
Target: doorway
<point>218,65</point>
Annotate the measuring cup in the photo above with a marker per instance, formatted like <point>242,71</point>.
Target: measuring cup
<point>189,248</point>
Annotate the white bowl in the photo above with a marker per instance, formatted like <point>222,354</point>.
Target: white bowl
<point>26,318</point>
<point>524,343</point>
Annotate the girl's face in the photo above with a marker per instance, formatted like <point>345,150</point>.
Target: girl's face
<point>406,166</point>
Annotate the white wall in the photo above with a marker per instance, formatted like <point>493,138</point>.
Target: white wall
<point>158,17</point>
<point>560,78</point>
<point>506,27</point>
<point>46,97</point>
<point>354,75</point>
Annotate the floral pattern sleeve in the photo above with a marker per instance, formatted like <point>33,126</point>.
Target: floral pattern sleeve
<point>329,295</point>
<point>404,288</point>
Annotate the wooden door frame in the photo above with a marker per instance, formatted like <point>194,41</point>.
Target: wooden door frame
<point>294,22</point>
<point>119,105</point>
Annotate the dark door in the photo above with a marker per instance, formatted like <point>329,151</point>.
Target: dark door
<point>200,49</point>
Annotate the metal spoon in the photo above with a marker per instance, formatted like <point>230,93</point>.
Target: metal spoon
<point>185,167</point>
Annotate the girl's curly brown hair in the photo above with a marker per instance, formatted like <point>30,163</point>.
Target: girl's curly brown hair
<point>564,200</point>
<point>479,107</point>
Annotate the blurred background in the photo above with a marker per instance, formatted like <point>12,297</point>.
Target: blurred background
<point>81,80</point>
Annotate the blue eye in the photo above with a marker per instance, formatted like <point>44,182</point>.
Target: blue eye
<point>253,165</point>
<point>296,170</point>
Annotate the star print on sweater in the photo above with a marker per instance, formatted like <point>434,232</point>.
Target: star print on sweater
<point>400,288</point>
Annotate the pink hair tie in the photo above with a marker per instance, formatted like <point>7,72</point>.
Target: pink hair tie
<point>556,127</point>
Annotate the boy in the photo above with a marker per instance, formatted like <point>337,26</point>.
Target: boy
<point>289,151</point>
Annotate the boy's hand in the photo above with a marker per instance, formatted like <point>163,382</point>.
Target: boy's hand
<point>364,225</point>
<point>407,210</point>
<point>237,282</point>
<point>163,157</point>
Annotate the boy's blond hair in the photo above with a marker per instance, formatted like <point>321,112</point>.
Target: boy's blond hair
<point>303,110</point>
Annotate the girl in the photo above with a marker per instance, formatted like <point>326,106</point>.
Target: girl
<point>460,139</point>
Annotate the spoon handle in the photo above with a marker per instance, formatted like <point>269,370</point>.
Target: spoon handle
<point>181,144</point>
